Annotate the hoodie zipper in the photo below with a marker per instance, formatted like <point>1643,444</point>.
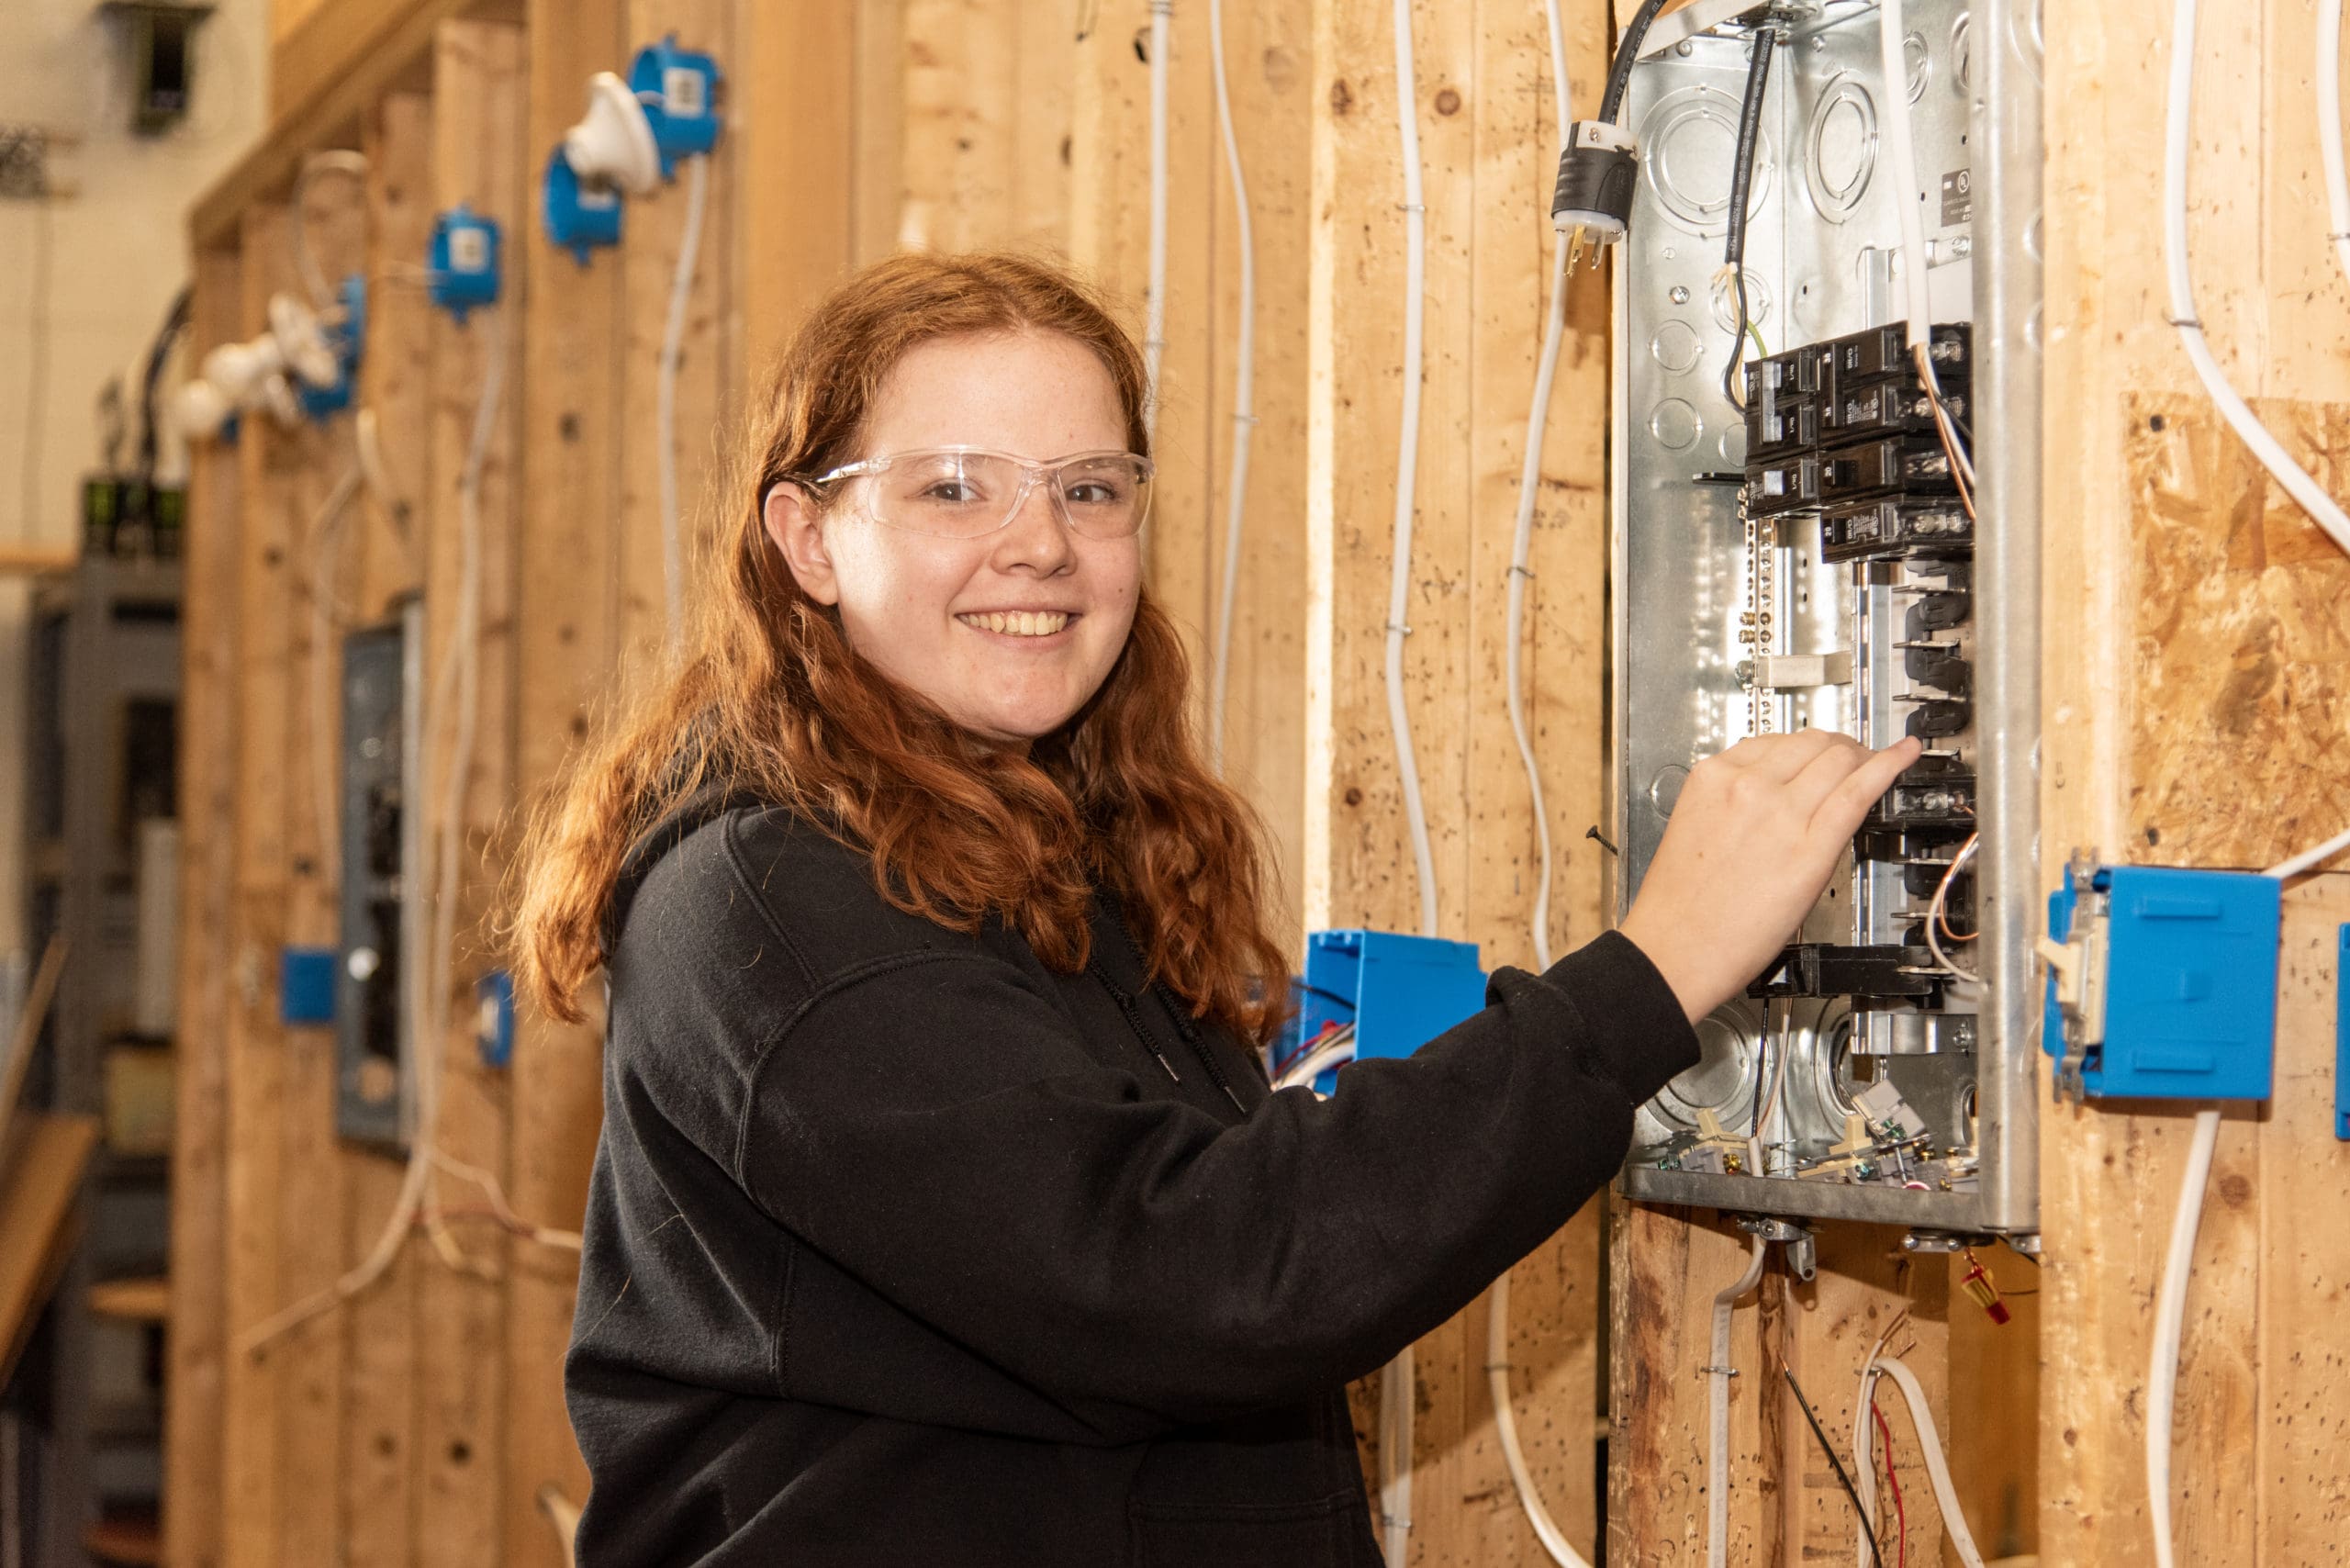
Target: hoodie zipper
<point>1183,1026</point>
<point>1134,1018</point>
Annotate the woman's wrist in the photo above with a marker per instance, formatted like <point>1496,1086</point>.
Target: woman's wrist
<point>1688,986</point>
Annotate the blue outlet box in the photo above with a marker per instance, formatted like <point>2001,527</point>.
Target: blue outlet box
<point>463,260</point>
<point>679,91</point>
<point>306,986</point>
<point>577,216</point>
<point>2162,983</point>
<point>1398,991</point>
<point>494,1024</point>
<point>346,334</point>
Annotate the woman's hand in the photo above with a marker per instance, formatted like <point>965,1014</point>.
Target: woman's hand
<point>1753,838</point>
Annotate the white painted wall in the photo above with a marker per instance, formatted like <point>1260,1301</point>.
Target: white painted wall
<point>84,281</point>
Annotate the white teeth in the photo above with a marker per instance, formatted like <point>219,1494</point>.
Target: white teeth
<point>1019,623</point>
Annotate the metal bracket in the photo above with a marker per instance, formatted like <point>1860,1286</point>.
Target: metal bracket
<point>1945,1240</point>
<point>1796,1242</point>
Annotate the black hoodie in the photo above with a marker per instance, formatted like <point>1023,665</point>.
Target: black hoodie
<point>902,1250</point>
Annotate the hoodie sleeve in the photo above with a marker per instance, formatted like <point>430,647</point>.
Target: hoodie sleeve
<point>934,1126</point>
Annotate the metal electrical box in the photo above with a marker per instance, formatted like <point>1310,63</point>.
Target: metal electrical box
<point>382,695</point>
<point>1807,560</point>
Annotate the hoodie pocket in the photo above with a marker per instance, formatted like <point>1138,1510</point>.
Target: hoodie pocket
<point>1328,1533</point>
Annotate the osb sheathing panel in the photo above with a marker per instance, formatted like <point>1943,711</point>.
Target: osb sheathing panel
<point>2239,734</point>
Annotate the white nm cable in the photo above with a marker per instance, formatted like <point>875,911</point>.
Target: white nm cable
<point>1154,328</point>
<point>339,162</point>
<point>1244,396</point>
<point>2170,1304</point>
<point>1397,1388</point>
<point>2322,509</point>
<point>2170,1313</point>
<point>1930,1442</point>
<point>1316,1062</point>
<point>1529,479</point>
<point>325,543</point>
<point>1529,483</point>
<point>673,342</point>
<point>429,980</point>
<point>1497,1365</point>
<point>1718,1375</point>
<point>2329,129</point>
<point>1908,198</point>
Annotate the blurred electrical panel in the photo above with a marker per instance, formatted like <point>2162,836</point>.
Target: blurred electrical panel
<point>382,690</point>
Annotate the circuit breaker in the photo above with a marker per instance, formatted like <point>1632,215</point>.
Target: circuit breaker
<point>1804,556</point>
<point>382,690</point>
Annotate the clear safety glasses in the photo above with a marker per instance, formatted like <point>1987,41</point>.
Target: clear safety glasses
<point>959,492</point>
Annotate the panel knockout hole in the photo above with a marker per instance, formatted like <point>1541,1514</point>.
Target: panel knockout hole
<point>1675,425</point>
<point>1664,789</point>
<point>1675,346</point>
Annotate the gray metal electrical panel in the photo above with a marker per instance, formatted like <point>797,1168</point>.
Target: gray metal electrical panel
<point>1807,560</point>
<point>382,687</point>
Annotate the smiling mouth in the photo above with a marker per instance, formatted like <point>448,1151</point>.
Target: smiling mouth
<point>1019,623</point>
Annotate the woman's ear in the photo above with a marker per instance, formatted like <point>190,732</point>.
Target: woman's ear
<point>796,524</point>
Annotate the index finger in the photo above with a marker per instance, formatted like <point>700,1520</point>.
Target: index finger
<point>1850,798</point>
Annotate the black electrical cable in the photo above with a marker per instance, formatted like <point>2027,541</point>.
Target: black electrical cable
<point>1742,182</point>
<point>1836,1464</point>
<point>175,322</point>
<point>1627,49</point>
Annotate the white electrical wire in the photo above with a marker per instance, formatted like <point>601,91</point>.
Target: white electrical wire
<point>1909,200</point>
<point>2329,129</point>
<point>1397,1388</point>
<point>1530,483</point>
<point>1718,1375</point>
<point>2307,858</point>
<point>1154,331</point>
<point>1545,1530</point>
<point>1930,1443</point>
<point>2322,509</point>
<point>325,544</point>
<point>1530,480</point>
<point>429,980</point>
<point>2170,1312</point>
<point>673,340</point>
<point>1244,396</point>
<point>339,162</point>
<point>1337,1052</point>
<point>2170,1304</point>
<point>1407,462</point>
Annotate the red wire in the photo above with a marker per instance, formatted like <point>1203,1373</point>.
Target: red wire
<point>1900,1514</point>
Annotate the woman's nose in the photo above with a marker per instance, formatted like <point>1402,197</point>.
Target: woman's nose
<point>1036,538</point>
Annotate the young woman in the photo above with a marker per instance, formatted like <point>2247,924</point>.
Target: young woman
<point>941,1213</point>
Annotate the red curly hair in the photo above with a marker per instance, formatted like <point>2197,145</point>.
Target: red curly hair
<point>768,696</point>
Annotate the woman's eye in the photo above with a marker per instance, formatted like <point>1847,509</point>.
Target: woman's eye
<point>950,490</point>
<point>1092,495</point>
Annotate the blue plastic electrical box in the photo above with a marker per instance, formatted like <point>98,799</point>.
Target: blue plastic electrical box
<point>2341,1034</point>
<point>494,1024</point>
<point>346,333</point>
<point>2169,990</point>
<point>1398,991</point>
<point>306,986</point>
<point>577,215</point>
<point>679,91</point>
<point>463,260</point>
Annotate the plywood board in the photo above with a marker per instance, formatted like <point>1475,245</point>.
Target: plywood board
<point>2240,687</point>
